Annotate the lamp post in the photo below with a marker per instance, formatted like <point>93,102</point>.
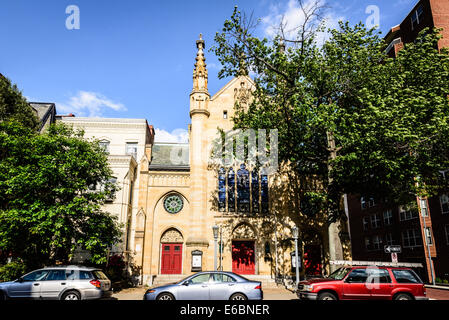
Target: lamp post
<point>295,236</point>
<point>215,231</point>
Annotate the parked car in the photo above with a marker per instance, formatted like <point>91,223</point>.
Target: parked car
<point>365,283</point>
<point>213,285</point>
<point>58,283</point>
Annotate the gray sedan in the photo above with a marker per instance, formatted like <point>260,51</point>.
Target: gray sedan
<point>213,285</point>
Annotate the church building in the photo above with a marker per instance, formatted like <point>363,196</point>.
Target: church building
<point>192,216</point>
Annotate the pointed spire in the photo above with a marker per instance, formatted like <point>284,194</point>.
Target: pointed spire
<point>200,71</point>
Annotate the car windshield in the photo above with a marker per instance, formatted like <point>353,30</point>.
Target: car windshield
<point>339,274</point>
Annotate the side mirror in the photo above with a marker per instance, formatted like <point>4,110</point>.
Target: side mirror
<point>185,283</point>
<point>20,280</point>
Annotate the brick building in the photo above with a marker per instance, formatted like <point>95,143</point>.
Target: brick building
<point>374,223</point>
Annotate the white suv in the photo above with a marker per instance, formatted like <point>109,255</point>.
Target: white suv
<point>58,283</point>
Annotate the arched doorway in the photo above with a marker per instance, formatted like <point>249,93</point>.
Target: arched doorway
<point>171,252</point>
<point>243,250</point>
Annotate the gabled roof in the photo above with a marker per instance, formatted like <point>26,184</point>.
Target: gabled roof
<point>44,111</point>
<point>230,83</point>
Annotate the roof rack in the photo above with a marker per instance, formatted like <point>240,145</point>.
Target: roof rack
<point>376,263</point>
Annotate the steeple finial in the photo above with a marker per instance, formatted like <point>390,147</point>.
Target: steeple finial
<point>200,71</point>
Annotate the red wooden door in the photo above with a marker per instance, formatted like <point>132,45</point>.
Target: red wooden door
<point>312,260</point>
<point>243,258</point>
<point>171,259</point>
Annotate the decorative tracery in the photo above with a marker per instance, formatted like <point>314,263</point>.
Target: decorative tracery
<point>245,191</point>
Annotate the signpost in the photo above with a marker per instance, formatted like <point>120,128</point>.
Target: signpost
<point>394,250</point>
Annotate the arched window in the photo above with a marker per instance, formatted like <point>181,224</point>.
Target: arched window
<point>231,190</point>
<point>243,193</point>
<point>222,189</point>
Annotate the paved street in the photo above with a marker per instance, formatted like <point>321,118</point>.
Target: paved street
<point>269,294</point>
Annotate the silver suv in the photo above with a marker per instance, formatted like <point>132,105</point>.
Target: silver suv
<point>58,283</point>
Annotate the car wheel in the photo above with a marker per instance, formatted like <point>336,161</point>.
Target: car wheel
<point>238,296</point>
<point>165,296</point>
<point>327,296</point>
<point>403,296</point>
<point>71,295</point>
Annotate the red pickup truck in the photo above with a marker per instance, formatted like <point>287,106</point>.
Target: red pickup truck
<point>365,283</point>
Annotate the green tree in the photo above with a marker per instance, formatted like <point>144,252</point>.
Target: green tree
<point>52,188</point>
<point>346,114</point>
<point>13,106</point>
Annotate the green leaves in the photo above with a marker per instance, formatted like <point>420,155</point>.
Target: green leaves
<point>46,207</point>
<point>13,106</point>
<point>389,117</point>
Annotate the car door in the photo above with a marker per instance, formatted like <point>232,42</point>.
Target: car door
<point>196,288</point>
<point>28,286</point>
<point>54,284</point>
<point>379,283</point>
<point>221,286</point>
<point>355,286</point>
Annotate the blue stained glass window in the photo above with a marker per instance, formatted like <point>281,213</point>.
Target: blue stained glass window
<point>264,192</point>
<point>222,190</point>
<point>255,190</point>
<point>231,190</point>
<point>243,192</point>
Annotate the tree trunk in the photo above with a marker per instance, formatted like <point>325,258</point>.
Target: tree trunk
<point>335,246</point>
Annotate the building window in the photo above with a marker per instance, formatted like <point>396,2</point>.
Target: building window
<point>264,192</point>
<point>225,114</point>
<point>377,242</point>
<point>417,16</point>
<point>368,244</point>
<point>231,190</point>
<point>222,190</point>
<point>375,221</point>
<point>408,212</point>
<point>411,238</point>
<point>444,202</point>
<point>388,217</point>
<point>446,229</point>
<point>131,149</point>
<point>367,202</point>
<point>365,222</point>
<point>423,206</point>
<point>255,190</point>
<point>104,145</point>
<point>428,234</point>
<point>389,239</point>
<point>243,191</point>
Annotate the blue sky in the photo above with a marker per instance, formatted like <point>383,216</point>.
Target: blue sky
<point>134,59</point>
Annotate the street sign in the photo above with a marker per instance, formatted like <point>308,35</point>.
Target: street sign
<point>392,249</point>
<point>394,257</point>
